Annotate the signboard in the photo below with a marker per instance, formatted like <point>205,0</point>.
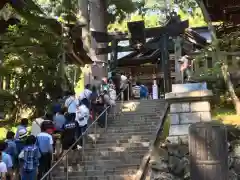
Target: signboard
<point>179,88</point>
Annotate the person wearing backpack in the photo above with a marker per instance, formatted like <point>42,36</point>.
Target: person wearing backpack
<point>85,95</point>
<point>68,136</point>
<point>136,91</point>
<point>100,107</point>
<point>82,117</point>
<point>45,143</point>
<point>29,157</point>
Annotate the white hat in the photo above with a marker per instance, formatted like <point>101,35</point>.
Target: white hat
<point>22,133</point>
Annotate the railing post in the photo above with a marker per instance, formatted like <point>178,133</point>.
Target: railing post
<point>83,145</point>
<point>106,119</point>
<point>128,92</point>
<point>95,134</point>
<point>66,168</point>
<point>122,94</point>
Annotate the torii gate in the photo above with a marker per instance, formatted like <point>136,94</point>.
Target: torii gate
<point>137,38</point>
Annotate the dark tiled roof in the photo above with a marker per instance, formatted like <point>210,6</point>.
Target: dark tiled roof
<point>151,56</point>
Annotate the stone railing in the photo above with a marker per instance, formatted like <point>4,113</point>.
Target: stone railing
<point>144,167</point>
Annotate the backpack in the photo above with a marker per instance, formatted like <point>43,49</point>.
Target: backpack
<point>100,99</point>
<point>86,102</point>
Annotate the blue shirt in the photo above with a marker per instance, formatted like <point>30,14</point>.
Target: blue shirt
<point>45,142</point>
<point>57,107</point>
<point>18,129</point>
<point>6,158</point>
<point>71,103</point>
<point>59,121</point>
<point>31,157</point>
<point>11,148</point>
<point>143,91</point>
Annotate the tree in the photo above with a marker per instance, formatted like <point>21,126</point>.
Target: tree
<point>32,51</point>
<point>30,58</point>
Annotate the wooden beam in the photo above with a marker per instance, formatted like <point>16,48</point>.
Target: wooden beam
<point>108,49</point>
<point>102,37</point>
<point>172,30</point>
<point>152,46</point>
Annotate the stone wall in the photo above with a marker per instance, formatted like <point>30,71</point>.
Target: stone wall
<point>187,108</point>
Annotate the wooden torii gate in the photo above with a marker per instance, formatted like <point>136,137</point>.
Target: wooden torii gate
<point>137,37</point>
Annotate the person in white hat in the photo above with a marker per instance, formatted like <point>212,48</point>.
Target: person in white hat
<point>22,133</point>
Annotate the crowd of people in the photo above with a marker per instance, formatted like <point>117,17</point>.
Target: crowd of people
<point>28,155</point>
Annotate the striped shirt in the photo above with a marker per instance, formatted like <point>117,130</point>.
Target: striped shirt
<point>45,142</point>
<point>136,91</point>
<point>31,155</point>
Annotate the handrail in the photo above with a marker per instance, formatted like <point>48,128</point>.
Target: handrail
<point>83,134</point>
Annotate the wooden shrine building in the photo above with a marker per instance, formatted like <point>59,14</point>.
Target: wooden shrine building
<point>153,52</point>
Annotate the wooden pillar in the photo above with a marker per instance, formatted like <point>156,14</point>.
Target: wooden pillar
<point>208,151</point>
<point>165,63</point>
<point>114,55</point>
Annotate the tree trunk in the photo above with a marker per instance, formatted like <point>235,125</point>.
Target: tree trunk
<point>230,87</point>
<point>216,53</point>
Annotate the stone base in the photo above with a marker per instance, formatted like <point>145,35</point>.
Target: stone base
<point>178,139</point>
<point>187,108</point>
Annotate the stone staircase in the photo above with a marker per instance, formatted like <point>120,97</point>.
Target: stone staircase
<point>118,152</point>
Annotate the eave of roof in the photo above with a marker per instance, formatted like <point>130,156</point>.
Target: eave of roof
<point>227,11</point>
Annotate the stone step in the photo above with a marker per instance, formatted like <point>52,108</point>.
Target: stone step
<point>115,177</point>
<point>91,155</point>
<point>141,112</point>
<point>118,151</point>
<point>97,165</point>
<point>141,102</point>
<point>130,129</point>
<point>81,175</point>
<point>126,123</point>
<point>113,139</point>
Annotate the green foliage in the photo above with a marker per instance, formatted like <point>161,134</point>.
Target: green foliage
<point>196,18</point>
<point>31,60</point>
<point>230,42</point>
<point>153,20</point>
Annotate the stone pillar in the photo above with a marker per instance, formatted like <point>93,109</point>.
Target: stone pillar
<point>186,108</point>
<point>98,9</point>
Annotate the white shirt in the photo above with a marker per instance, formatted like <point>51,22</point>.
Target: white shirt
<point>3,167</point>
<point>36,126</point>
<point>82,115</point>
<point>71,103</point>
<point>108,100</point>
<point>112,94</point>
<point>123,78</point>
<point>155,91</point>
<point>85,94</point>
